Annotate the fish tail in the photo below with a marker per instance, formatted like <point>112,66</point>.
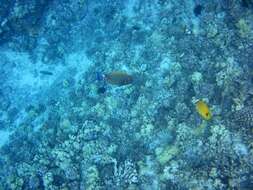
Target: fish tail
<point>100,76</point>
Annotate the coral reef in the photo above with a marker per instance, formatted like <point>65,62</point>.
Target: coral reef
<point>102,94</point>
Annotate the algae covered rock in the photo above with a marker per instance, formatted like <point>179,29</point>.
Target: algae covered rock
<point>244,29</point>
<point>167,154</point>
<point>92,178</point>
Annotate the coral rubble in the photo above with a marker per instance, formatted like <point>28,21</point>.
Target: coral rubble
<point>64,125</point>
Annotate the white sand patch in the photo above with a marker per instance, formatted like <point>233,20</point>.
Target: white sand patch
<point>166,64</point>
<point>26,77</point>
<point>129,11</point>
<point>78,61</point>
<point>4,137</point>
<point>30,86</point>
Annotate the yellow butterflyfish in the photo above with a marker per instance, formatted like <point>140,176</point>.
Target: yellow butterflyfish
<point>203,110</point>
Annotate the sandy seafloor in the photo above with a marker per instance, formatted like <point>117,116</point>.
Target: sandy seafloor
<point>63,126</point>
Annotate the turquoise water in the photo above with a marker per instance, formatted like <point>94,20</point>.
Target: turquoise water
<point>126,95</point>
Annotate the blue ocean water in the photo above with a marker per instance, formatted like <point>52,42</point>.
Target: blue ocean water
<point>126,95</point>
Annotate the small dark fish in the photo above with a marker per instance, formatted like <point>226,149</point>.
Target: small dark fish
<point>247,3</point>
<point>119,78</point>
<point>136,27</point>
<point>198,10</point>
<point>46,72</point>
<point>101,90</point>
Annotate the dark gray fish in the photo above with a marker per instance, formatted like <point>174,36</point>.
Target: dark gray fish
<point>46,72</point>
<point>101,90</point>
<point>119,78</point>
